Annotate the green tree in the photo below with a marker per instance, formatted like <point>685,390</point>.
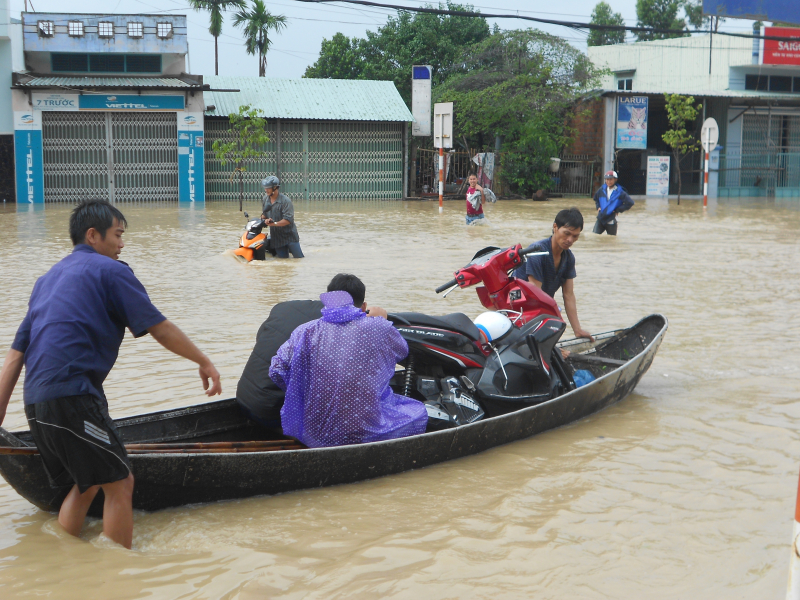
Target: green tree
<point>602,15</point>
<point>257,23</point>
<point>521,85</point>
<point>681,113</point>
<point>405,40</point>
<point>659,14</point>
<point>215,8</point>
<point>339,58</point>
<point>248,129</point>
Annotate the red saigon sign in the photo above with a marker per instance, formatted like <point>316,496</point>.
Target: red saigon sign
<point>774,52</point>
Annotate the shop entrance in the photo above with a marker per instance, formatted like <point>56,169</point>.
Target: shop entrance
<point>120,157</point>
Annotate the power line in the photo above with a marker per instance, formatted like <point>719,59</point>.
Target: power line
<point>570,24</point>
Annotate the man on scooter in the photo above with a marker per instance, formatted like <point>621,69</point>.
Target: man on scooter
<point>557,269</point>
<point>278,212</point>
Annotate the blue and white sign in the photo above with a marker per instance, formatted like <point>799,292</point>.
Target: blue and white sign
<point>191,152</point>
<point>28,157</point>
<point>657,176</point>
<point>59,102</point>
<point>787,11</point>
<point>632,122</point>
<point>127,102</point>
<point>421,100</point>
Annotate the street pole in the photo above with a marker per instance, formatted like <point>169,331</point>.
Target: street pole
<point>441,178</point>
<point>705,170</point>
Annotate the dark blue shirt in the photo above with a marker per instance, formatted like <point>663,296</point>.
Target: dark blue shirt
<point>543,268</point>
<point>76,320</point>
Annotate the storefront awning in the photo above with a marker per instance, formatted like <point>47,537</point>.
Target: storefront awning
<point>180,82</point>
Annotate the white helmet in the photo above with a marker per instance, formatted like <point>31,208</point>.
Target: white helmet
<point>493,325</point>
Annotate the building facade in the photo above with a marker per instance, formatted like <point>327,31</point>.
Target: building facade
<point>103,107</point>
<point>751,88</point>
<point>328,139</point>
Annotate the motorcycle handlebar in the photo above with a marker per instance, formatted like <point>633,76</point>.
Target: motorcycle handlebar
<point>526,251</point>
<point>445,286</point>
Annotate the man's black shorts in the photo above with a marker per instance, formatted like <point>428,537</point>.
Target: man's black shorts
<point>78,441</point>
<point>610,228</point>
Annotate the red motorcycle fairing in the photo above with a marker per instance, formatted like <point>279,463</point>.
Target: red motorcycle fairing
<point>442,346</point>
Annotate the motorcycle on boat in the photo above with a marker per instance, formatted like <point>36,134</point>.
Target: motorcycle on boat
<point>504,361</point>
<point>254,244</point>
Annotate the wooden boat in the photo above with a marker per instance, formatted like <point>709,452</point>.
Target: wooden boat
<point>211,452</point>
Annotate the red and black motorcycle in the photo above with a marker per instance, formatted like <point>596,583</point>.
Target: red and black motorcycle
<point>503,361</point>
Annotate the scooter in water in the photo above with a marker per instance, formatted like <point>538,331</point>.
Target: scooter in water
<point>504,361</point>
<point>253,245</point>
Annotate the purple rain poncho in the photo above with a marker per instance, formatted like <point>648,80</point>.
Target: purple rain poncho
<point>336,372</point>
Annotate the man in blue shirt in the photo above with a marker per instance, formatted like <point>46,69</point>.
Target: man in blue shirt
<point>557,269</point>
<point>610,200</point>
<point>68,343</point>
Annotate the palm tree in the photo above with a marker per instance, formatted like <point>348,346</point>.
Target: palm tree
<point>257,24</point>
<point>215,7</point>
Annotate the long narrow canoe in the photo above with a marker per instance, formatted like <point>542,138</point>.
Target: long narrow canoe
<point>196,472</point>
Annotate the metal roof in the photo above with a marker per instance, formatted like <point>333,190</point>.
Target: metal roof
<point>49,81</point>
<point>306,99</point>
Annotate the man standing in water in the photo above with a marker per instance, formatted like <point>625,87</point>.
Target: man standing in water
<point>557,269</point>
<point>68,343</point>
<point>610,200</point>
<point>278,212</point>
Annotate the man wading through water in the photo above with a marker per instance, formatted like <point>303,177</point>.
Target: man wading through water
<point>68,342</point>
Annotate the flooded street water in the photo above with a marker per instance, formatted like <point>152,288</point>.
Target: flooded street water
<point>685,489</point>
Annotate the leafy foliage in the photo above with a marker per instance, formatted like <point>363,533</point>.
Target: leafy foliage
<point>406,40</point>
<point>603,15</point>
<point>520,85</point>
<point>215,8</point>
<point>257,24</point>
<point>681,112</point>
<point>659,14</point>
<point>249,135</point>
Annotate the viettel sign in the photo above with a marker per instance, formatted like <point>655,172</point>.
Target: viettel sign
<point>774,52</point>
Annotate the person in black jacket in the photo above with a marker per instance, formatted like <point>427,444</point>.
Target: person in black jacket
<point>610,200</point>
<point>257,394</point>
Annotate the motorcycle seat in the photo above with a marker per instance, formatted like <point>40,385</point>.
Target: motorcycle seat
<point>455,321</point>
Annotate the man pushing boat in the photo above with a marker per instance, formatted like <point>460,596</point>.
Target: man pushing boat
<point>68,342</point>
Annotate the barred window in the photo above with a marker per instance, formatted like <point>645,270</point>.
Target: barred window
<point>46,28</point>
<point>135,30</point>
<point>75,28</point>
<point>105,29</point>
<point>164,30</point>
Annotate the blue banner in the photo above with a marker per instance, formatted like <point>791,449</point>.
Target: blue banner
<point>787,11</point>
<point>632,122</point>
<point>191,167</point>
<point>28,163</point>
<point>130,102</point>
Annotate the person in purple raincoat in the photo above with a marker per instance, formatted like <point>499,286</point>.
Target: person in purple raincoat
<point>336,371</point>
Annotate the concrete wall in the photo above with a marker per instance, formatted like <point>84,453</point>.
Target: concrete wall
<point>679,65</point>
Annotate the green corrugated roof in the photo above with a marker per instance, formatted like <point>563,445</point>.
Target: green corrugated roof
<point>49,81</point>
<point>319,99</point>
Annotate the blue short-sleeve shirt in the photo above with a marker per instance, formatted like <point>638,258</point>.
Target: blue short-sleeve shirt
<point>543,268</point>
<point>77,316</point>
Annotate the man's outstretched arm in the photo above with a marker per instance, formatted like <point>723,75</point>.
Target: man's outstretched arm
<point>12,367</point>
<point>173,339</point>
<point>571,308</point>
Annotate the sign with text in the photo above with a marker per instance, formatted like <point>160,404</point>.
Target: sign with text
<point>774,52</point>
<point>657,176</point>
<point>108,102</point>
<point>421,99</point>
<point>59,102</point>
<point>632,122</point>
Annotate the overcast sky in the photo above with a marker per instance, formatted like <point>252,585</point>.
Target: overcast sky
<point>298,45</point>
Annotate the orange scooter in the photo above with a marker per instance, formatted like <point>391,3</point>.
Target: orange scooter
<point>253,245</point>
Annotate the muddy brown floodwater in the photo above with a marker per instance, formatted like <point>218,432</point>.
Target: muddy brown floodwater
<point>685,489</point>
